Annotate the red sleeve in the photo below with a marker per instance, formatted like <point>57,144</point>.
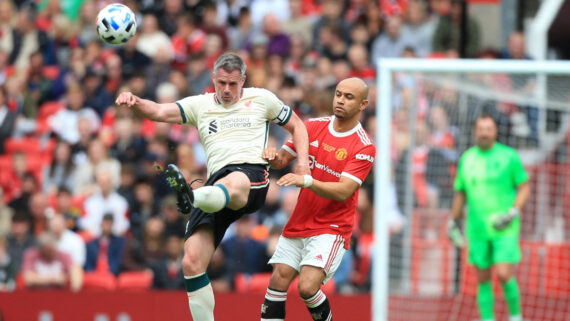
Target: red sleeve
<point>30,256</point>
<point>360,164</point>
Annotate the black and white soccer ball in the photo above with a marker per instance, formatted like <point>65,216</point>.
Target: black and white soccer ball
<point>116,24</point>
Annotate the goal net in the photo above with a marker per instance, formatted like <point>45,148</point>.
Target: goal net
<point>425,115</point>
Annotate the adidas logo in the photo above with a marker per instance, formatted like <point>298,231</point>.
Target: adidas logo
<point>314,143</point>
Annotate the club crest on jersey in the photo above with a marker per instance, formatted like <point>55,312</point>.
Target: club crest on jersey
<point>341,154</point>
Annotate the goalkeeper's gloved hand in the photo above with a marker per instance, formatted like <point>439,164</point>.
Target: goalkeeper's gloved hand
<point>454,233</point>
<point>503,221</point>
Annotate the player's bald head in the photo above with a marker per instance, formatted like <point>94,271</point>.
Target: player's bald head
<point>354,85</point>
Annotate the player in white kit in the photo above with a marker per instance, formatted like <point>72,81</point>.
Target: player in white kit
<point>233,124</point>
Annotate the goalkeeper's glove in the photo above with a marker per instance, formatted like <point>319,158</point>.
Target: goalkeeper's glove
<point>503,221</point>
<point>454,233</point>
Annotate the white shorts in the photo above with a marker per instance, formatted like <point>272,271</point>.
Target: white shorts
<point>324,251</point>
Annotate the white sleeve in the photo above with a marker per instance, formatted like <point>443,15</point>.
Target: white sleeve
<point>277,111</point>
<point>189,107</point>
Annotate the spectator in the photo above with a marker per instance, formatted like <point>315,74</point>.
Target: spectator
<point>67,241</point>
<point>174,223</point>
<point>187,40</point>
<point>211,27</point>
<point>65,122</point>
<point>96,96</point>
<point>168,270</point>
<point>390,43</point>
<point>141,253</point>
<point>46,267</point>
<point>98,160</point>
<point>6,214</point>
<point>20,239</point>
<point>144,207</point>
<point>298,23</point>
<point>358,58</point>
<point>23,186</point>
<point>70,211</point>
<point>132,59</point>
<point>61,172</point>
<point>198,74</point>
<point>87,14</point>
<point>106,200</point>
<point>7,268</point>
<point>7,120</point>
<point>331,42</point>
<point>260,8</point>
<point>229,11</point>
<point>241,34</point>
<point>104,254</point>
<point>129,146</point>
<point>27,40</point>
<point>159,71</point>
<point>243,254</point>
<point>418,28</point>
<point>442,134</point>
<point>516,47</point>
<point>279,42</point>
<point>39,210</point>
<point>331,15</point>
<point>448,33</point>
<point>151,38</point>
<point>173,9</point>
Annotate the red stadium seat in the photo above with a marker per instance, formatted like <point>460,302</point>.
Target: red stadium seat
<point>241,283</point>
<point>12,145</point>
<point>258,283</point>
<point>49,108</point>
<point>135,281</point>
<point>93,281</point>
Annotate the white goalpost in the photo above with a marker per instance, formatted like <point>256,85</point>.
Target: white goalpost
<point>424,112</point>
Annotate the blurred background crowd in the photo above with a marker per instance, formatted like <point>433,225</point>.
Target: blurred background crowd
<point>81,188</point>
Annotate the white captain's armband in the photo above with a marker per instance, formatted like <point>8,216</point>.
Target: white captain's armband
<point>284,115</point>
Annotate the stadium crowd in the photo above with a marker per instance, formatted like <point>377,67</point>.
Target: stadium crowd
<point>81,183</point>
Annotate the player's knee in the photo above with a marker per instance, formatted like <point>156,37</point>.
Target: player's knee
<point>190,264</point>
<point>280,279</point>
<point>504,276</point>
<point>307,289</point>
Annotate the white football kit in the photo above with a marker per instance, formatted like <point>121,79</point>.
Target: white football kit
<point>234,134</point>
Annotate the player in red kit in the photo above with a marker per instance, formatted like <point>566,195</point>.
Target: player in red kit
<point>316,236</point>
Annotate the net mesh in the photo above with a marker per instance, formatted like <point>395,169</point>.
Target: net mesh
<point>433,117</point>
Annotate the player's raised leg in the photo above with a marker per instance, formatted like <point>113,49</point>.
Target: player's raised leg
<point>310,280</point>
<point>198,251</point>
<point>273,307</point>
<point>510,289</point>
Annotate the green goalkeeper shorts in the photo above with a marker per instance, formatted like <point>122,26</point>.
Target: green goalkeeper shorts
<point>484,253</point>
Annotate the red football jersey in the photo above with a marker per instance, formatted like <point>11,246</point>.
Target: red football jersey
<point>331,155</point>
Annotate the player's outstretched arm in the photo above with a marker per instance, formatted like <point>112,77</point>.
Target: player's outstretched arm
<point>301,141</point>
<point>276,159</point>
<point>167,113</point>
<point>338,191</point>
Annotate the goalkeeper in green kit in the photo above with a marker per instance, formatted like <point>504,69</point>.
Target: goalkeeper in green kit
<point>492,182</point>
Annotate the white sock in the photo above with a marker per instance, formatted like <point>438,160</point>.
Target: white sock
<point>211,199</point>
<point>515,318</point>
<point>201,301</point>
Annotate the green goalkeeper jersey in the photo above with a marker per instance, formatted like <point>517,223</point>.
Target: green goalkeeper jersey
<point>489,180</point>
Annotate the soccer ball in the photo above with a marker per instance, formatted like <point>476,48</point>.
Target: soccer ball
<point>116,24</point>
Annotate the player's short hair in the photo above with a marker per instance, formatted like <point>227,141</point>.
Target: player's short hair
<point>485,115</point>
<point>230,62</point>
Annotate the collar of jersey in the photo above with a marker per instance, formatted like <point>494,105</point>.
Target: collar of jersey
<point>343,134</point>
<point>219,102</point>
